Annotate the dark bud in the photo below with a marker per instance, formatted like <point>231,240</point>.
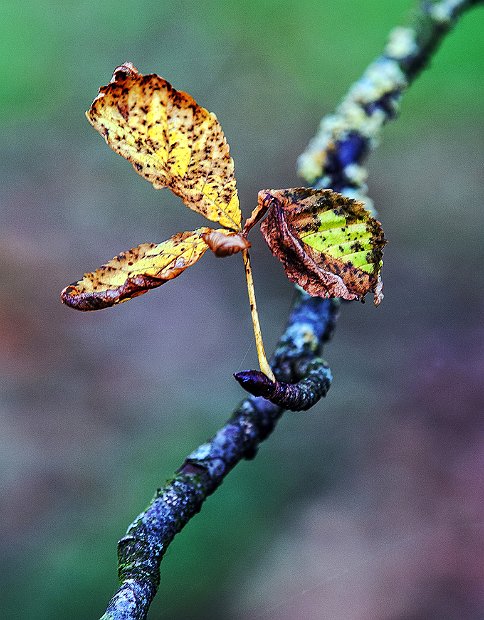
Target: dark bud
<point>256,383</point>
<point>293,396</point>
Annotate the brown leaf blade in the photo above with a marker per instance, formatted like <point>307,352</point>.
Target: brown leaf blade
<point>225,242</point>
<point>328,244</point>
<point>136,271</point>
<point>257,214</point>
<point>170,140</point>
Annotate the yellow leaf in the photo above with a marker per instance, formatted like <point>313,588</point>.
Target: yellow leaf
<point>170,140</point>
<point>136,271</point>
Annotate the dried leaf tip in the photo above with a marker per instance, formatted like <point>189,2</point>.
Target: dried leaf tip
<point>123,71</point>
<point>378,292</point>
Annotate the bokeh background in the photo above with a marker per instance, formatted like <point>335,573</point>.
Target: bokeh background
<point>368,507</point>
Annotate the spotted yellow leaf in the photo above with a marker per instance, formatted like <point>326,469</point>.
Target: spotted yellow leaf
<point>170,140</point>
<point>136,271</point>
<point>329,244</point>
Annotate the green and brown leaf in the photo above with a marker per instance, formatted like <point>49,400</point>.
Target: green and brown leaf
<point>328,244</point>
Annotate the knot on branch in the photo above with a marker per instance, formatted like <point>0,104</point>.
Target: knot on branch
<point>293,396</point>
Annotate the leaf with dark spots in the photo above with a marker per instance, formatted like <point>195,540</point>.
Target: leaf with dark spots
<point>136,271</point>
<point>170,140</point>
<point>329,245</point>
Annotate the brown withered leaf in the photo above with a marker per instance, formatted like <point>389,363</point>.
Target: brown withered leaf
<point>329,244</point>
<point>136,271</point>
<point>225,243</point>
<point>256,215</point>
<point>170,140</point>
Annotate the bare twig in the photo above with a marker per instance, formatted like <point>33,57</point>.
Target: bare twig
<point>333,159</point>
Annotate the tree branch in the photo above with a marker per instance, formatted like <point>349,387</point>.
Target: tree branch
<point>334,158</point>
<point>140,552</point>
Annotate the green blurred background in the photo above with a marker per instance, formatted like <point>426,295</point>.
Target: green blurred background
<point>368,507</point>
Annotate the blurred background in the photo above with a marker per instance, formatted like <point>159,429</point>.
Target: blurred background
<point>368,507</point>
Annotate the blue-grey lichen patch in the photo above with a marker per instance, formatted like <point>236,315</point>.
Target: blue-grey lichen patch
<point>443,12</point>
<point>401,43</point>
<point>375,98</point>
<point>369,104</point>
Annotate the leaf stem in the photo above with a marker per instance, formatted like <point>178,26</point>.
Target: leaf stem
<point>261,354</point>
